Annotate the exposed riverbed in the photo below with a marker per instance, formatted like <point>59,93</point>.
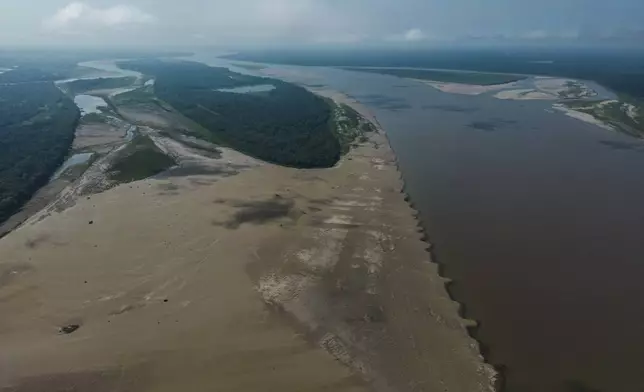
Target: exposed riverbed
<point>536,216</point>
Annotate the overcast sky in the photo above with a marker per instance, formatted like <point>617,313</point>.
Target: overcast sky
<point>231,22</point>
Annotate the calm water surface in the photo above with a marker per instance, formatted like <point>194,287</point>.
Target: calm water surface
<point>89,103</point>
<point>74,160</point>
<point>538,218</point>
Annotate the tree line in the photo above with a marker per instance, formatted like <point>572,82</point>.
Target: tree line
<point>287,125</point>
<point>37,124</point>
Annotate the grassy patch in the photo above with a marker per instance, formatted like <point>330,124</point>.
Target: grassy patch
<point>145,97</point>
<point>75,171</point>
<point>138,96</point>
<point>139,160</point>
<point>477,78</point>
<point>613,113</point>
<point>349,126</point>
<point>205,147</point>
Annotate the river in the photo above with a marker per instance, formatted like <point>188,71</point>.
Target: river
<point>536,216</point>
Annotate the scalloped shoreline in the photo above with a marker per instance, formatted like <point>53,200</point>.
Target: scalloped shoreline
<point>497,378</point>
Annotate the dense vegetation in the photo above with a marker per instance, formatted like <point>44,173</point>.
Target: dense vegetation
<point>615,113</point>
<point>287,125</point>
<point>59,64</point>
<point>479,78</point>
<point>84,85</point>
<point>37,123</point>
<point>139,160</point>
<point>350,126</point>
<point>621,70</point>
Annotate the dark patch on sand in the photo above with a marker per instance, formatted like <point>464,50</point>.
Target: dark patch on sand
<point>258,212</point>
<point>126,308</point>
<point>33,243</point>
<point>202,181</point>
<point>197,170</point>
<point>168,187</point>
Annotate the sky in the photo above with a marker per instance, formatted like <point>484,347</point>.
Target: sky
<point>308,22</point>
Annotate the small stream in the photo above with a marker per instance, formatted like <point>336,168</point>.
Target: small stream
<point>74,160</point>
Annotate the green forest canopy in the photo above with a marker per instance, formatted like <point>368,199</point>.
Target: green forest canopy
<point>37,124</point>
<point>478,78</point>
<point>287,125</point>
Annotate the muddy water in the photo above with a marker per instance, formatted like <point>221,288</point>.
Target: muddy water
<point>536,216</point>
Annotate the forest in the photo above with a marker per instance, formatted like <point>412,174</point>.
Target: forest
<point>479,78</point>
<point>37,124</point>
<point>619,69</point>
<point>287,125</point>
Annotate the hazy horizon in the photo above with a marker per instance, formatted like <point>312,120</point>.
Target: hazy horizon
<point>296,23</point>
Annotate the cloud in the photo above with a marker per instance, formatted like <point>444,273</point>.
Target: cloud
<point>411,35</point>
<point>80,15</point>
<point>414,35</point>
<point>274,20</point>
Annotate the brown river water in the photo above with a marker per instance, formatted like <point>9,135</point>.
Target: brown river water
<point>537,217</point>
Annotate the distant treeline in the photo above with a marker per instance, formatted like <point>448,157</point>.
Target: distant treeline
<point>37,124</point>
<point>621,70</point>
<point>478,78</point>
<point>287,125</point>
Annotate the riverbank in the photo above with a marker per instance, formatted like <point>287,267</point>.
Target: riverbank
<point>244,277</point>
<point>511,227</point>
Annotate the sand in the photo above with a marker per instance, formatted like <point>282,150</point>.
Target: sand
<point>546,88</point>
<point>465,89</point>
<point>97,135</point>
<point>589,118</point>
<point>631,111</point>
<point>524,94</point>
<point>232,274</point>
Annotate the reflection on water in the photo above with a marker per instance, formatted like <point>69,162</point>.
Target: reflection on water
<point>259,88</point>
<point>539,224</point>
<point>89,103</point>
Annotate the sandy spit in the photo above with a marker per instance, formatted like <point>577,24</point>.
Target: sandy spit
<point>585,117</point>
<point>236,277</point>
<point>524,94</point>
<point>465,89</point>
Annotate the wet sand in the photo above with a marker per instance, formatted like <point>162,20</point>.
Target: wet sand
<point>585,117</point>
<point>465,89</point>
<point>255,278</point>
